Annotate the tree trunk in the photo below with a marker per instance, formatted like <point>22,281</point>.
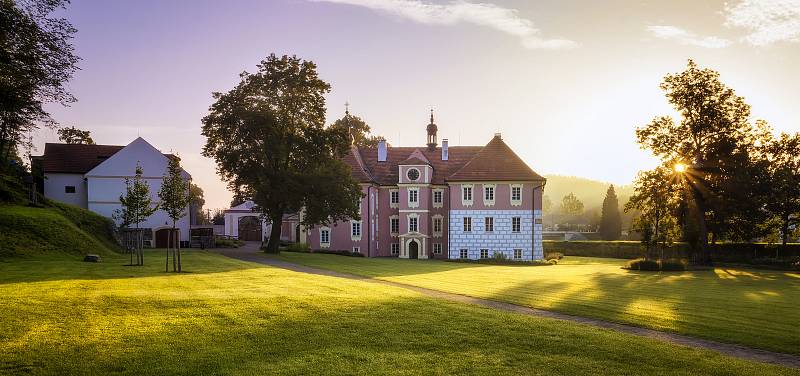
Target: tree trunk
<point>702,229</point>
<point>275,233</point>
<point>784,234</point>
<point>166,264</point>
<point>178,248</point>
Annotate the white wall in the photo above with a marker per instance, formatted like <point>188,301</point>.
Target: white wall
<point>54,188</point>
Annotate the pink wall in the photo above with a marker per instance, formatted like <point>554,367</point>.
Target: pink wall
<point>502,197</point>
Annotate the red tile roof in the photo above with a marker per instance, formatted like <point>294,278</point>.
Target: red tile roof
<point>493,162</point>
<point>77,158</point>
<point>496,161</point>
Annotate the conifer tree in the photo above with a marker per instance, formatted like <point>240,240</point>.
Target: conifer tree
<point>611,221</point>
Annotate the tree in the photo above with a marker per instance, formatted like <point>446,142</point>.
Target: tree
<point>357,129</point>
<point>136,207</point>
<point>74,135</point>
<point>547,204</point>
<point>197,201</point>
<point>571,205</point>
<point>714,139</point>
<point>268,139</point>
<point>783,156</point>
<point>175,196</point>
<point>610,220</point>
<point>656,195</point>
<point>218,218</point>
<point>36,61</point>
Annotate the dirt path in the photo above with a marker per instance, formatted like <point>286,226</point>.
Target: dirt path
<point>251,253</point>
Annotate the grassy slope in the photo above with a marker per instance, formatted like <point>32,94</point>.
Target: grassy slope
<point>56,229</point>
<point>231,317</point>
<point>755,308</point>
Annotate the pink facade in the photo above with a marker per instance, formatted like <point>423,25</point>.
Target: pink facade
<point>428,183</point>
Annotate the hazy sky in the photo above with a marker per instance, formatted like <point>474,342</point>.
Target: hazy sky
<point>565,82</point>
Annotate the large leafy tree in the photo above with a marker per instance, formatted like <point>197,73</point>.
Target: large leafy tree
<point>36,61</point>
<point>657,194</point>
<point>268,138</point>
<point>610,220</point>
<point>357,129</point>
<point>198,201</point>
<point>72,135</point>
<point>783,156</point>
<point>571,205</point>
<point>136,207</point>
<point>175,197</point>
<point>715,139</point>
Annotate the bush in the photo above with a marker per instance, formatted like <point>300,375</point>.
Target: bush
<point>554,256</point>
<point>642,264</point>
<point>499,256</point>
<point>673,265</point>
<point>669,265</point>
<point>228,243</point>
<point>340,252</point>
<point>298,247</point>
<point>791,263</point>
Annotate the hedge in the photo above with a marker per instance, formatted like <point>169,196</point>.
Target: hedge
<point>722,252</point>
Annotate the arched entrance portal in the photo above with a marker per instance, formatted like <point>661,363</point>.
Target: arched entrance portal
<point>250,228</point>
<point>413,249</point>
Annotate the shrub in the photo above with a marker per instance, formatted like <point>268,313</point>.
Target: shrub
<point>642,264</point>
<point>499,256</point>
<point>228,243</point>
<point>554,256</point>
<point>340,252</point>
<point>673,265</point>
<point>298,247</point>
<point>791,263</point>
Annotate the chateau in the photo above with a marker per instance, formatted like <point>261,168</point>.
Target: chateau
<point>456,202</point>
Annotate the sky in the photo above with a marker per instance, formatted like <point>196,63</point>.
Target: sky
<point>565,82</point>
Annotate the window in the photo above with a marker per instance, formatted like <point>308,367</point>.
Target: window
<point>355,229</point>
<point>356,249</point>
<point>437,196</point>
<point>413,197</point>
<point>325,236</point>
<point>467,224</point>
<point>464,254</point>
<point>488,224</point>
<point>395,248</point>
<point>517,254</point>
<point>69,189</point>
<point>413,224</point>
<point>515,224</point>
<point>516,193</point>
<point>484,253</point>
<point>437,248</point>
<point>412,174</point>
<point>488,194</point>
<point>394,225</point>
<point>394,198</point>
<point>437,226</point>
<point>466,195</point>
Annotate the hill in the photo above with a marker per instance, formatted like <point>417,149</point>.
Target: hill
<point>590,192</point>
<point>49,228</point>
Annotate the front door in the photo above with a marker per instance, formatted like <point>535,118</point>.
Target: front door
<point>250,228</point>
<point>413,250</point>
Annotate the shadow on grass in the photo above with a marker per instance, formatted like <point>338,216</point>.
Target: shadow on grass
<point>117,266</point>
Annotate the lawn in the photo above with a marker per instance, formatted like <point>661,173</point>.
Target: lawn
<point>752,307</point>
<point>225,316</point>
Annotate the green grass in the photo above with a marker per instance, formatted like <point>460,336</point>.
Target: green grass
<point>56,229</point>
<point>754,308</point>
<point>62,316</point>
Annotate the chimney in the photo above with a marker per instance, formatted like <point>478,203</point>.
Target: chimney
<point>445,151</point>
<point>381,150</point>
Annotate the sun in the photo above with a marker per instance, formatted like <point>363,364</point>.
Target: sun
<point>680,168</point>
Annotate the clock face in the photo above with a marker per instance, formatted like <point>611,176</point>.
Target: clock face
<point>413,174</point>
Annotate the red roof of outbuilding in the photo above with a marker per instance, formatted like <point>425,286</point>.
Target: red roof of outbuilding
<point>77,158</point>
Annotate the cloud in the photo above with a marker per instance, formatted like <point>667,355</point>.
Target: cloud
<point>686,37</point>
<point>505,20</point>
<point>768,21</point>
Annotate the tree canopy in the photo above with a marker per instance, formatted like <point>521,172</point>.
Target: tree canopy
<point>269,140</point>
<point>72,135</point>
<point>175,197</point>
<point>571,205</point>
<point>36,61</point>
<point>357,129</point>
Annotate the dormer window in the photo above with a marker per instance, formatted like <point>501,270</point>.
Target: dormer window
<point>412,174</point>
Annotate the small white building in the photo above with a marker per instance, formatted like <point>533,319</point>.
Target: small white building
<point>243,223</point>
<point>93,177</point>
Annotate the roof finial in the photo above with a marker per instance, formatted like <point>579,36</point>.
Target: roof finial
<point>346,108</point>
<point>431,115</point>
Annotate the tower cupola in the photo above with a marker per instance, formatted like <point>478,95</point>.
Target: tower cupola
<point>432,134</point>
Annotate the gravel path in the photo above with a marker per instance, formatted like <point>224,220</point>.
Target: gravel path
<point>251,253</point>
